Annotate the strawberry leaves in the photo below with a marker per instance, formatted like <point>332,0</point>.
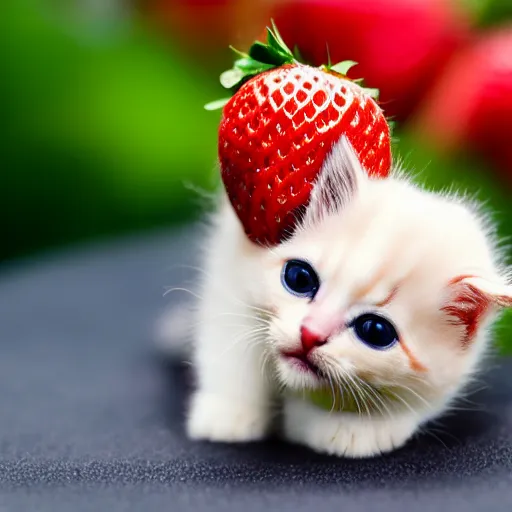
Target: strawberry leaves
<point>261,57</point>
<point>266,56</point>
<point>372,92</point>
<point>264,53</point>
<point>343,67</point>
<point>217,104</point>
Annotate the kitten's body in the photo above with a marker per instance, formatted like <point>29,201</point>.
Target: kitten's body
<point>426,262</point>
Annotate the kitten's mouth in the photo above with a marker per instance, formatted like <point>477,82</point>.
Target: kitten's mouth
<point>302,361</point>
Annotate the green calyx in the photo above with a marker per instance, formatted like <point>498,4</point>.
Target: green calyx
<point>261,57</point>
<point>265,56</point>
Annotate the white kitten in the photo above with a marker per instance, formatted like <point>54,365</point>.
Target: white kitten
<point>367,323</point>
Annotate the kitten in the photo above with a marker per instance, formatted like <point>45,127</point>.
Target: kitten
<point>365,324</point>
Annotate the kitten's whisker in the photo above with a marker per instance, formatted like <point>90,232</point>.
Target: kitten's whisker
<point>417,395</point>
<point>210,321</point>
<point>265,363</point>
<point>407,405</point>
<point>378,396</point>
<point>180,289</point>
<point>333,394</point>
<point>277,325</point>
<point>471,408</point>
<point>261,310</point>
<point>252,339</point>
<point>363,388</point>
<point>339,380</point>
<point>222,290</point>
<point>364,396</point>
<point>429,432</point>
<point>244,315</point>
<point>421,380</point>
<point>352,388</point>
<point>357,389</point>
<point>442,432</point>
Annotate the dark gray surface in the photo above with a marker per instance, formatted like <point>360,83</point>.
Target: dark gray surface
<point>91,418</point>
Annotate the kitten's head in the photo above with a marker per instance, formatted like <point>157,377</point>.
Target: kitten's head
<point>383,284</point>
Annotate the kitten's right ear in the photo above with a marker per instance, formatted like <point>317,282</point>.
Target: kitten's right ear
<point>341,176</point>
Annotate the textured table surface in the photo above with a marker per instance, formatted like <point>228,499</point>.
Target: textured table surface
<point>91,418</point>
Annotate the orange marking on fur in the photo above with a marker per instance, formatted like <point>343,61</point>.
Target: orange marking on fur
<point>370,285</point>
<point>413,361</point>
<point>458,279</point>
<point>365,290</point>
<point>389,298</point>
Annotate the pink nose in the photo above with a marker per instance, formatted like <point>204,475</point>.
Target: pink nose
<point>310,339</point>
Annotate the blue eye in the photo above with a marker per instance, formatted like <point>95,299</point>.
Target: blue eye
<point>375,331</point>
<point>300,278</point>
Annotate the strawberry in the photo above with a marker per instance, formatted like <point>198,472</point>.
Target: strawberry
<point>400,45</point>
<point>280,125</point>
<point>471,105</point>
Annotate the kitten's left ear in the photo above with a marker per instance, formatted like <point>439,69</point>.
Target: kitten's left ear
<point>498,294</point>
<point>341,176</point>
<point>471,298</point>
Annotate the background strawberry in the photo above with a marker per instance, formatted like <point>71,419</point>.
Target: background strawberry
<point>207,27</point>
<point>400,45</point>
<point>471,106</point>
<point>278,128</point>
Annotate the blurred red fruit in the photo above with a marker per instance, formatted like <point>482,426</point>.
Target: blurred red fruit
<point>471,104</point>
<point>207,26</point>
<point>400,45</point>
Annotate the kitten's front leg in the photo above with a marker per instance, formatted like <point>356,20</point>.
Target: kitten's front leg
<point>232,399</point>
<point>346,434</point>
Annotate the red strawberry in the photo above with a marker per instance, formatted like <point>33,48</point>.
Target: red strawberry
<point>278,128</point>
<point>472,102</point>
<point>400,45</point>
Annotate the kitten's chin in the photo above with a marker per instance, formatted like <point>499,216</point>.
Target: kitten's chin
<point>298,375</point>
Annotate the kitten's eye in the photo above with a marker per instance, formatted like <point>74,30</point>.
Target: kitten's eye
<point>375,331</point>
<point>299,278</point>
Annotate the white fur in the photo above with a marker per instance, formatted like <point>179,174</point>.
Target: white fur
<point>345,434</point>
<point>363,240</point>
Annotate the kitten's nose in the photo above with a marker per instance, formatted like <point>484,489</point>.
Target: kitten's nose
<point>310,339</point>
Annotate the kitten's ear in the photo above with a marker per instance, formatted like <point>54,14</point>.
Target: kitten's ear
<point>471,298</point>
<point>339,179</point>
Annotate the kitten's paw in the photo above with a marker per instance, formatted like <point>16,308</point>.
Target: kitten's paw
<point>222,419</point>
<point>346,434</point>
